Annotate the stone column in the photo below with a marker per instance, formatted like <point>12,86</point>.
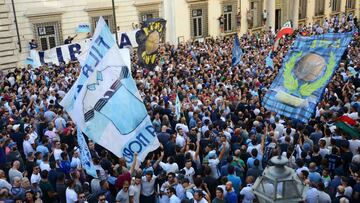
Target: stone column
<point>343,6</point>
<point>310,11</point>
<point>327,9</point>
<point>357,8</point>
<point>295,13</point>
<point>270,8</point>
<point>169,14</point>
<point>214,12</point>
<point>245,6</point>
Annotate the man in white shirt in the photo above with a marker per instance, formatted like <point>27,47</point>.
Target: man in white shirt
<point>27,145</point>
<point>180,139</point>
<point>354,145</point>
<point>198,197</point>
<point>147,187</point>
<point>57,151</point>
<point>247,191</point>
<point>189,171</point>
<point>35,176</point>
<point>170,166</point>
<point>71,195</point>
<point>134,190</point>
<point>213,162</point>
<point>172,197</point>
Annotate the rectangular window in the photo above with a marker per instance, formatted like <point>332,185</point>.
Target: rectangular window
<point>48,35</point>
<point>146,16</point>
<point>319,7</point>
<point>350,4</point>
<point>227,18</point>
<point>256,13</point>
<point>335,5</point>
<point>109,20</point>
<point>197,17</point>
<point>302,9</point>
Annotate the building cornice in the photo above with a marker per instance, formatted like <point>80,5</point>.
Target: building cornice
<point>43,11</point>
<point>139,3</point>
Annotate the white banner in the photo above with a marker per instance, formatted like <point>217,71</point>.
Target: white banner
<point>105,103</point>
<point>75,51</point>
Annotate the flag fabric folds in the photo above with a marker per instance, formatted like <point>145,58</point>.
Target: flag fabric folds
<point>286,29</point>
<point>148,39</point>
<point>236,52</point>
<point>105,103</point>
<point>306,70</point>
<point>85,156</point>
<point>177,107</point>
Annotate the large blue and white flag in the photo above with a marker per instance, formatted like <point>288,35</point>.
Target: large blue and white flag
<point>105,102</point>
<point>177,107</point>
<point>307,69</point>
<point>85,155</point>
<point>236,52</point>
<point>269,61</point>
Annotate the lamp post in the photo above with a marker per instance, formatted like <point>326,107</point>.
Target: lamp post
<point>279,183</point>
<point>114,15</point>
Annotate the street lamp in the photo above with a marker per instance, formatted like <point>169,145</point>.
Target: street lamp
<point>279,183</point>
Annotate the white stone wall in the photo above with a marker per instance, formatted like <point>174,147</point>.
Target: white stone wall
<point>73,12</point>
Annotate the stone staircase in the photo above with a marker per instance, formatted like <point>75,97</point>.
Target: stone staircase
<point>8,47</point>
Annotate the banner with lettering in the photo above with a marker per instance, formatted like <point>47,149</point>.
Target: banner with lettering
<point>72,52</point>
<point>83,28</point>
<point>105,103</point>
<point>306,70</point>
<point>148,39</point>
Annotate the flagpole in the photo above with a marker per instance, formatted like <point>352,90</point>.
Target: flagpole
<point>114,15</point>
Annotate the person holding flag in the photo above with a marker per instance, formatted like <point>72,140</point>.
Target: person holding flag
<point>236,52</point>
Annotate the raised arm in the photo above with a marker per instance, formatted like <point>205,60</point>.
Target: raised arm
<point>222,152</point>
<point>158,160</point>
<point>197,150</point>
<point>132,168</point>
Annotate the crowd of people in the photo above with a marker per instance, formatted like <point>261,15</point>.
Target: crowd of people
<point>213,153</point>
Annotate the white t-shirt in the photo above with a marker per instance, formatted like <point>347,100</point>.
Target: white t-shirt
<point>213,165</point>
<point>35,178</point>
<point>71,196</point>
<point>180,140</point>
<point>134,191</point>
<point>169,167</point>
<point>354,145</point>
<point>189,174</point>
<point>45,166</point>
<point>27,147</point>
<point>57,154</point>
<point>248,194</point>
<point>174,199</point>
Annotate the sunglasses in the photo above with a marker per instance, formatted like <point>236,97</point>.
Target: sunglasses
<point>82,197</point>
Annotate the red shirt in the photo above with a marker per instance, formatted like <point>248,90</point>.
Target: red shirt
<point>121,179</point>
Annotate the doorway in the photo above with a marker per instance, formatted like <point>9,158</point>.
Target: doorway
<point>277,19</point>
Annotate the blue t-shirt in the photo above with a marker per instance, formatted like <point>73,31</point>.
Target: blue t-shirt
<point>236,182</point>
<point>231,197</point>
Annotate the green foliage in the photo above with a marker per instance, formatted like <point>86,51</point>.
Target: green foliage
<point>290,82</point>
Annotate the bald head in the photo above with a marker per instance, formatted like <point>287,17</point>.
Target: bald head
<point>16,164</point>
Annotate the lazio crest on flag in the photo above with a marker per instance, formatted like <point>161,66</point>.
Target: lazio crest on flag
<point>306,71</point>
<point>105,103</point>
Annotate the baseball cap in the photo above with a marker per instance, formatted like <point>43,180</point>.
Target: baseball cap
<point>11,145</point>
